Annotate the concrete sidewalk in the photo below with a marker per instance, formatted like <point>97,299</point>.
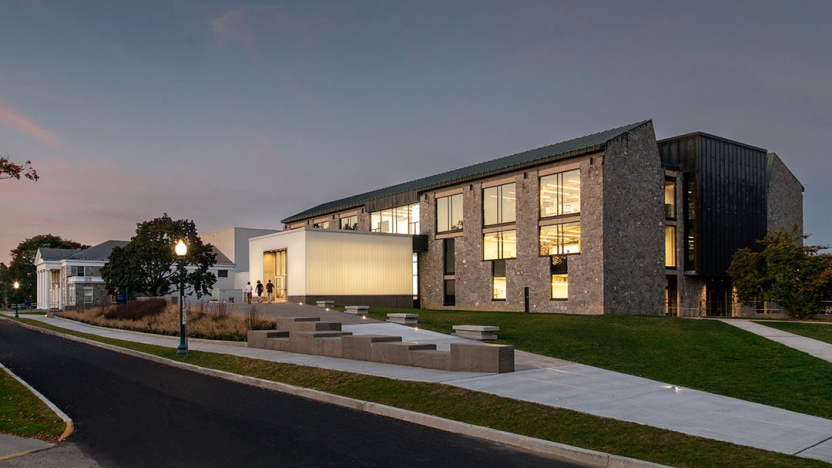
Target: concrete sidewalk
<point>816,348</point>
<point>563,384</point>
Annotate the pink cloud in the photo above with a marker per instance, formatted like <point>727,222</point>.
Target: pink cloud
<point>232,26</point>
<point>22,124</point>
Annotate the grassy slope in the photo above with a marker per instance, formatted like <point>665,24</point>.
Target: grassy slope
<point>559,425</point>
<point>702,354</point>
<point>817,331</point>
<point>23,414</point>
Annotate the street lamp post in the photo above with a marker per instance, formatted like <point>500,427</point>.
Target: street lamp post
<point>181,250</point>
<point>16,299</point>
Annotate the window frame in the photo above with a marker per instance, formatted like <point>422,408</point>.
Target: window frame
<point>500,204</point>
<point>448,202</point>
<point>560,249</point>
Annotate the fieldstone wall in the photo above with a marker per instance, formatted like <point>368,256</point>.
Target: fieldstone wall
<point>785,196</point>
<point>529,269</point>
<point>633,229</point>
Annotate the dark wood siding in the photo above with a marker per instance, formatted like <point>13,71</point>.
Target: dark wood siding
<point>731,196</point>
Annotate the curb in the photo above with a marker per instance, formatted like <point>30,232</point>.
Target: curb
<point>66,419</point>
<point>539,446</point>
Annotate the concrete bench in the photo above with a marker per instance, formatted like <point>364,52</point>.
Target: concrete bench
<point>476,332</point>
<point>404,319</point>
<point>327,304</point>
<point>357,310</point>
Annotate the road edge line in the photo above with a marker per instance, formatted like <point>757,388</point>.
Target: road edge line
<point>70,427</point>
<point>531,444</point>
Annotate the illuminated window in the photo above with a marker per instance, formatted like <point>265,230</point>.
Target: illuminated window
<point>399,220</point>
<point>560,277</point>
<point>499,245</point>
<point>670,199</point>
<point>498,284</point>
<point>498,204</point>
<point>560,194</point>
<point>559,239</point>
<point>670,246</point>
<point>349,223</point>
<point>449,213</point>
<point>321,225</point>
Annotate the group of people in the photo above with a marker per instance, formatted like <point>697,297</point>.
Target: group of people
<point>268,287</point>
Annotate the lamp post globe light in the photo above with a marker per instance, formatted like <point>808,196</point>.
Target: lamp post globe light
<point>16,301</point>
<point>181,250</point>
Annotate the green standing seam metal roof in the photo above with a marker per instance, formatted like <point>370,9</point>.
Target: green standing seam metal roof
<point>574,147</point>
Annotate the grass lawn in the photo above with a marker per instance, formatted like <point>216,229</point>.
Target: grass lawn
<point>702,354</point>
<point>23,414</point>
<point>559,425</point>
<point>817,331</point>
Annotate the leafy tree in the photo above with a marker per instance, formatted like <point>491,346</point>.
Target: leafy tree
<point>795,276</point>
<point>22,266</point>
<point>148,265</point>
<point>10,170</point>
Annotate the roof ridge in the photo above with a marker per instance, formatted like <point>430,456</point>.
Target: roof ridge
<point>423,183</point>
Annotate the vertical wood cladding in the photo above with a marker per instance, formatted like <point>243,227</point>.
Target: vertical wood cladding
<point>731,198</point>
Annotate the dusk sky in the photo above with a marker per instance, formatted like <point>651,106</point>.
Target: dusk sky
<point>244,113</point>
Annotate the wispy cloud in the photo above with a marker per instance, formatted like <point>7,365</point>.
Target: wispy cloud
<point>232,26</point>
<point>13,119</point>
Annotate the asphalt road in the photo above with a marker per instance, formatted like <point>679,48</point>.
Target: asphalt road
<point>129,412</point>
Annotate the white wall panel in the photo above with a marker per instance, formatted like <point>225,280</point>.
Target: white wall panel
<point>358,263</point>
<point>295,243</point>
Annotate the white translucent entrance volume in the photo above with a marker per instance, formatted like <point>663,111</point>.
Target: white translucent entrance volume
<point>274,269</point>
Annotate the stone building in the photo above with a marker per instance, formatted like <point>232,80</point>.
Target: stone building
<point>610,223</point>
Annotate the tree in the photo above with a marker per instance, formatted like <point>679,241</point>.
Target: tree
<point>148,264</point>
<point>795,276</point>
<point>22,265</point>
<point>10,170</point>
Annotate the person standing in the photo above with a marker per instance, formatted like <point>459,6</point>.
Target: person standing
<point>259,289</point>
<point>248,292</point>
<point>270,291</point>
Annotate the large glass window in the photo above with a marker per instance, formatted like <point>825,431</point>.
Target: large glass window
<point>413,226</point>
<point>560,194</point>
<point>449,213</point>
<point>560,277</point>
<point>498,284</point>
<point>450,257</point>
<point>321,225</point>
<point>559,239</point>
<point>498,204</point>
<point>398,220</point>
<point>670,246</point>
<point>349,223</point>
<point>670,199</point>
<point>499,245</point>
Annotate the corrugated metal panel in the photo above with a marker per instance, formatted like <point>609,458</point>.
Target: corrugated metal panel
<point>356,264</point>
<point>566,149</point>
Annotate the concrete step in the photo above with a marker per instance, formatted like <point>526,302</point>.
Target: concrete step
<point>318,334</point>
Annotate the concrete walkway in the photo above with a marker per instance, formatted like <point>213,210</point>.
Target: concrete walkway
<point>816,348</point>
<point>563,384</point>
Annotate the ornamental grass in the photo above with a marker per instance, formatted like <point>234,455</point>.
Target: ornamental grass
<point>156,315</point>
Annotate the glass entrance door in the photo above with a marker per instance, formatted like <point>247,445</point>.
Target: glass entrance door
<point>274,269</point>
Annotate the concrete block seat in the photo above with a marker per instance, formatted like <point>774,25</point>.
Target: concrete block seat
<point>323,304</point>
<point>357,309</point>
<point>476,332</point>
<point>403,319</point>
<point>309,335</point>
